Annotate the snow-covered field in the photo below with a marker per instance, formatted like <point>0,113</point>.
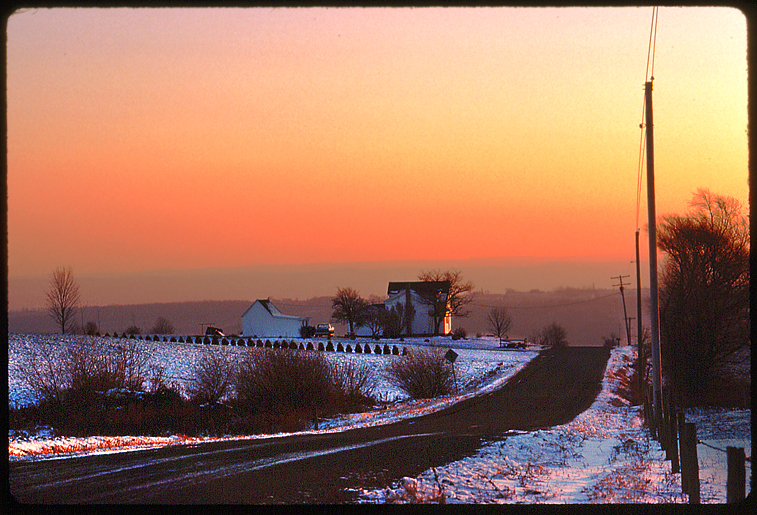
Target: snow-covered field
<point>603,456</point>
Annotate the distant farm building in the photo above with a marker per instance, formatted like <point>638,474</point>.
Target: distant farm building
<point>263,319</point>
<point>417,302</point>
<point>419,295</point>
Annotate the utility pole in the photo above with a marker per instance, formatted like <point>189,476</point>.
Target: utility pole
<point>653,291</point>
<point>623,296</point>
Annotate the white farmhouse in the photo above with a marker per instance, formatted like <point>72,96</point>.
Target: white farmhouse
<point>420,295</point>
<point>263,319</point>
<point>424,298</point>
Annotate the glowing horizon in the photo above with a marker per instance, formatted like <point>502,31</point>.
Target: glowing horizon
<point>151,139</point>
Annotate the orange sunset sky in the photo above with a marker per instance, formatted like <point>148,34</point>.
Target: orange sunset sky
<point>173,139</point>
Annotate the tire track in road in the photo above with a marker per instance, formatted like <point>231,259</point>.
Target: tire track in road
<point>552,389</point>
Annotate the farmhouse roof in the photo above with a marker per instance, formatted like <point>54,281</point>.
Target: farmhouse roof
<point>422,288</point>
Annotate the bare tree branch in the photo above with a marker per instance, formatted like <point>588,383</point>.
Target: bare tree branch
<point>63,297</point>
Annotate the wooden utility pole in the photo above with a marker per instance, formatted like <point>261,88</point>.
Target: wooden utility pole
<point>625,313</point>
<point>654,319</point>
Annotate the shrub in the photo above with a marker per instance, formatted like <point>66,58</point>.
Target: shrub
<point>74,382</point>
<point>610,341</point>
<point>42,370</point>
<point>459,333</point>
<point>162,326</point>
<point>554,335</point>
<point>355,383</point>
<point>212,376</point>
<point>422,373</point>
<point>276,381</point>
<point>289,387</point>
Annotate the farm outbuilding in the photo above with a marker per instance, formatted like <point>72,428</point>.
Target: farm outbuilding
<point>263,319</point>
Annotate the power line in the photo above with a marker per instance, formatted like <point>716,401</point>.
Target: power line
<point>548,306</point>
<point>642,139</point>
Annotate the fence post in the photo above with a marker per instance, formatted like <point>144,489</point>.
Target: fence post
<point>684,452</point>
<point>672,431</point>
<point>663,424</point>
<point>736,474</point>
<point>652,420</point>
<point>689,435</point>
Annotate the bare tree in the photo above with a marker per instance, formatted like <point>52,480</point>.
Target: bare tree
<point>91,328</point>
<point>376,319</point>
<point>63,297</point>
<point>554,335</point>
<point>704,293</point>
<point>458,297</point>
<point>162,326</point>
<point>349,307</point>
<point>500,322</point>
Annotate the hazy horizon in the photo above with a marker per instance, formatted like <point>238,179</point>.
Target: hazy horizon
<point>491,275</point>
<point>201,144</point>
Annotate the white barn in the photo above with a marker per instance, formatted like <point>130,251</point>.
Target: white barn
<point>263,319</point>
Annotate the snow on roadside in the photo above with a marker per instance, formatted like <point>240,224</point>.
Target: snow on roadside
<point>480,367</point>
<point>604,455</point>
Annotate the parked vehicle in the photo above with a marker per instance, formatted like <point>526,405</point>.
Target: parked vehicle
<point>324,330</point>
<point>213,331</point>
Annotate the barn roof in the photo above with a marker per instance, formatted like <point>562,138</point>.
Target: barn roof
<point>273,310</point>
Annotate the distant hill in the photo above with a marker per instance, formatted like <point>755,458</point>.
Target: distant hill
<point>588,315</point>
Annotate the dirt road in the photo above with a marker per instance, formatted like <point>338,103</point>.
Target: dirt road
<point>552,389</point>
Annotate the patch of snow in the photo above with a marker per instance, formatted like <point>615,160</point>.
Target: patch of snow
<point>604,455</point>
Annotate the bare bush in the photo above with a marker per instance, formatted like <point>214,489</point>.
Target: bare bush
<point>422,373</point>
<point>355,381</point>
<point>129,365</point>
<point>41,369</point>
<point>277,381</point>
<point>162,326</point>
<point>213,376</point>
<point>554,335</point>
<point>85,364</point>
